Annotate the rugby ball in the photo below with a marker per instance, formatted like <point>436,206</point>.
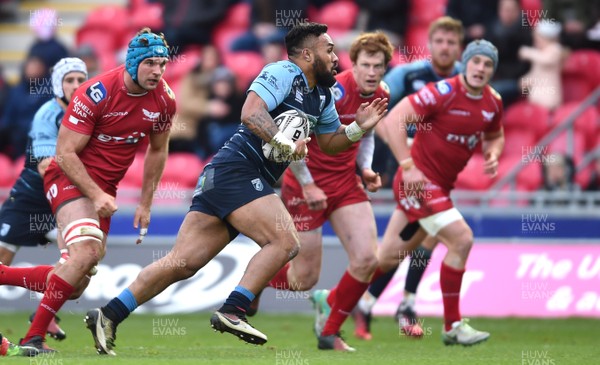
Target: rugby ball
<point>294,125</point>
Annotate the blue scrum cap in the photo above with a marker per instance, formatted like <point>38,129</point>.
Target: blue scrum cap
<point>142,46</point>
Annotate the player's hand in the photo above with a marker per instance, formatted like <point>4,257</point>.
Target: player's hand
<point>105,205</point>
<point>315,198</point>
<point>369,114</point>
<point>414,181</point>
<point>299,153</point>
<point>371,179</point>
<point>141,219</point>
<point>490,166</point>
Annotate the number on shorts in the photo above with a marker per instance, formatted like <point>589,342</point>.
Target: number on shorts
<point>410,202</point>
<point>52,192</point>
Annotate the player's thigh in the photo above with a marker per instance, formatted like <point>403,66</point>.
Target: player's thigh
<point>392,246</point>
<point>355,227</point>
<point>456,234</point>
<point>72,211</point>
<point>200,238</point>
<point>308,260</point>
<point>265,220</point>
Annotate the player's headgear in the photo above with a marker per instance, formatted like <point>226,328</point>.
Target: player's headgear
<point>61,69</point>
<point>479,47</point>
<point>142,46</point>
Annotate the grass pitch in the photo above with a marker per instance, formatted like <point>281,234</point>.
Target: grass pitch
<point>188,339</point>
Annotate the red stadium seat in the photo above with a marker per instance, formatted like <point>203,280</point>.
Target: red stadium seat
<point>344,60</point>
<point>586,124</point>
<point>146,15</point>
<point>560,145</point>
<point>238,16</point>
<point>339,15</point>
<point>181,64</point>
<point>533,11</point>
<point>8,174</point>
<point>519,142</point>
<point>423,12</point>
<point>473,177</point>
<point>223,36</point>
<point>182,171</point>
<point>415,48</point>
<point>530,178</point>
<point>113,19</point>
<point>527,116</point>
<point>135,174</point>
<point>245,65</point>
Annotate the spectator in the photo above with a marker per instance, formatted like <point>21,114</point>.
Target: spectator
<point>558,172</point>
<point>269,22</point>
<point>225,106</point>
<point>391,17</point>
<point>24,99</point>
<point>193,105</point>
<point>192,22</point>
<point>87,53</point>
<point>44,23</point>
<point>542,84</point>
<point>508,35</point>
<point>577,17</point>
<point>594,183</point>
<point>476,16</point>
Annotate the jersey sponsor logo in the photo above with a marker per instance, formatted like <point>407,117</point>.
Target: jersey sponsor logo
<point>270,79</point>
<point>115,114</point>
<point>418,84</point>
<point>81,109</point>
<point>463,113</point>
<point>470,140</point>
<point>299,98</point>
<point>74,120</point>
<point>443,87</point>
<point>487,116</point>
<point>168,90</point>
<point>427,96</point>
<point>338,91</point>
<point>150,116</point>
<point>258,185</point>
<point>96,92</point>
<point>132,138</point>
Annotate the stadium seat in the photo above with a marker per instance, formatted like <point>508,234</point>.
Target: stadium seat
<point>344,60</point>
<point>578,82</point>
<point>238,16</point>
<point>135,174</point>
<point>146,15</point>
<point>526,116</point>
<point>113,19</point>
<point>415,48</point>
<point>560,145</point>
<point>518,142</point>
<point>532,9</point>
<point>245,65</point>
<point>423,12</point>
<point>8,175</point>
<point>181,64</point>
<point>182,170</point>
<point>223,36</point>
<point>586,124</point>
<point>339,15</point>
<point>473,177</point>
<point>530,178</point>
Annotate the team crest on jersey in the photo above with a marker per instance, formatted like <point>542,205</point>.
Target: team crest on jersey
<point>443,87</point>
<point>5,228</point>
<point>487,116</point>
<point>150,116</point>
<point>96,92</point>
<point>338,91</point>
<point>258,185</point>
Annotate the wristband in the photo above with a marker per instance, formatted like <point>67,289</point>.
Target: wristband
<point>354,132</point>
<point>285,145</point>
<point>407,164</point>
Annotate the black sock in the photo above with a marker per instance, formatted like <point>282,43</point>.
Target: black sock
<point>418,263</point>
<point>379,285</point>
<point>116,311</point>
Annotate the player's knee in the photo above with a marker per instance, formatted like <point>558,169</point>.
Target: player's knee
<point>463,243</point>
<point>364,264</point>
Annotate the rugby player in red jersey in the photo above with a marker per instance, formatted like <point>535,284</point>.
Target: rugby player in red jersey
<point>462,111</point>
<point>107,118</point>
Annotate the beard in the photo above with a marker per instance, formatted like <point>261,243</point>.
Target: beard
<point>323,76</point>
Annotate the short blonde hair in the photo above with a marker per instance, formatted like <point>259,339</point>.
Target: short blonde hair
<point>448,24</point>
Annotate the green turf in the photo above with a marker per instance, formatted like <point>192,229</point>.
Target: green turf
<point>188,339</point>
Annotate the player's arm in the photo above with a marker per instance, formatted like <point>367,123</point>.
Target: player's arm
<point>367,117</point>
<point>255,115</point>
<point>154,164</point>
<point>43,166</point>
<point>315,197</point>
<point>68,145</point>
<point>364,160</point>
<point>492,146</point>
